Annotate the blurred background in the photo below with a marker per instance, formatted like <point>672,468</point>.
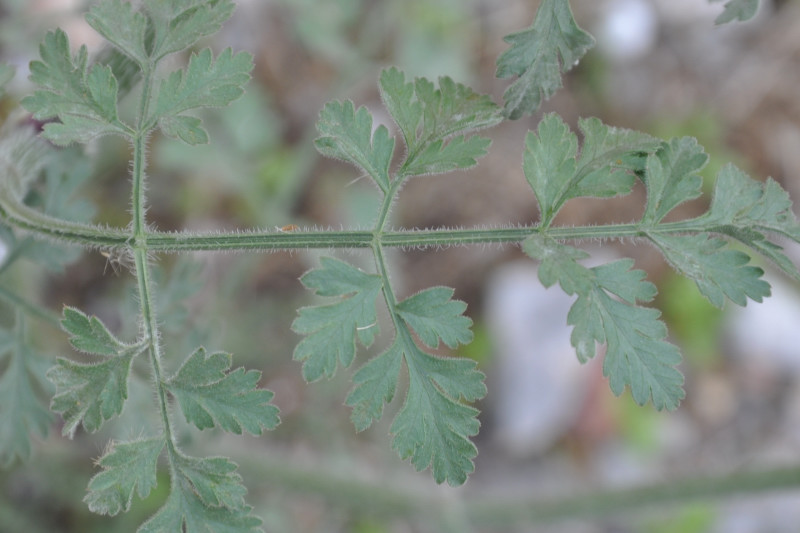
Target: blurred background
<point>550,427</point>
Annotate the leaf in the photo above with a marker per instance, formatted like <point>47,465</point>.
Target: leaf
<point>127,466</point>
<point>206,497</point>
<point>434,315</point>
<point>331,329</point>
<point>347,134</point>
<point>671,177</point>
<point>91,393</point>
<point>21,411</point>
<point>608,163</point>
<point>83,99</point>
<point>90,335</point>
<point>208,395</point>
<point>122,26</point>
<point>204,83</point>
<point>740,10</point>
<point>636,353</point>
<point>539,55</point>
<point>718,272</point>
<point>433,427</point>
<point>747,210</point>
<point>178,24</point>
<point>429,117</point>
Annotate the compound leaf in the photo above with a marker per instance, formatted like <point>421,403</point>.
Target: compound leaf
<point>434,315</point>
<point>127,467</point>
<point>429,117</point>
<point>84,99</point>
<point>347,134</point>
<point>672,178</point>
<point>208,394</point>
<point>90,393</point>
<point>748,210</point>
<point>717,271</point>
<point>608,163</point>
<point>331,329</point>
<point>122,26</point>
<point>178,24</point>
<point>204,83</point>
<point>21,411</point>
<point>375,384</point>
<point>206,497</point>
<point>539,55</point>
<point>740,10</point>
<point>636,353</point>
<point>89,334</point>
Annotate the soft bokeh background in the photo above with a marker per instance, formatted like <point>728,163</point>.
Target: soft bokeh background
<point>549,425</point>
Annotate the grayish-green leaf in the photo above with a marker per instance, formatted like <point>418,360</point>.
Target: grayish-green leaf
<point>348,135</point>
<point>21,411</point>
<point>434,122</point>
<point>178,24</point>
<point>90,393</point>
<point>539,55</point>
<point>671,177</point>
<point>84,99</point>
<point>206,497</point>
<point>204,83</point>
<point>127,467</point>
<point>608,163</point>
<point>374,385</point>
<point>188,129</point>
<point>331,329</point>
<point>637,355</point>
<point>209,394</point>
<point>122,26</point>
<point>740,10</point>
<point>718,271</point>
<point>89,334</point>
<point>434,315</point>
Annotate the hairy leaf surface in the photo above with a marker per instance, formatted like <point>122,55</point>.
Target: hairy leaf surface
<point>608,163</point>
<point>717,270</point>
<point>348,135</point>
<point>210,395</point>
<point>89,334</point>
<point>127,467</point>
<point>539,55</point>
<point>122,26</point>
<point>178,24</point>
<point>84,99</point>
<point>434,315</point>
<point>207,497</point>
<point>637,355</point>
<point>331,329</point>
<point>672,178</point>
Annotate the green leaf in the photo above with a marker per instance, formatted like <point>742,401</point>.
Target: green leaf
<point>539,55</point>
<point>204,83</point>
<point>608,163</point>
<point>206,497</point>
<point>740,10</point>
<point>434,425</point>
<point>178,24</point>
<point>671,177</point>
<point>208,394</point>
<point>636,353</point>
<point>91,393</point>
<point>331,329</point>
<point>90,335</point>
<point>83,99</point>
<point>748,211</point>
<point>434,315</point>
<point>122,26</point>
<point>127,466</point>
<point>21,411</point>
<point>347,134</point>
<point>718,272</point>
<point>429,117</point>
